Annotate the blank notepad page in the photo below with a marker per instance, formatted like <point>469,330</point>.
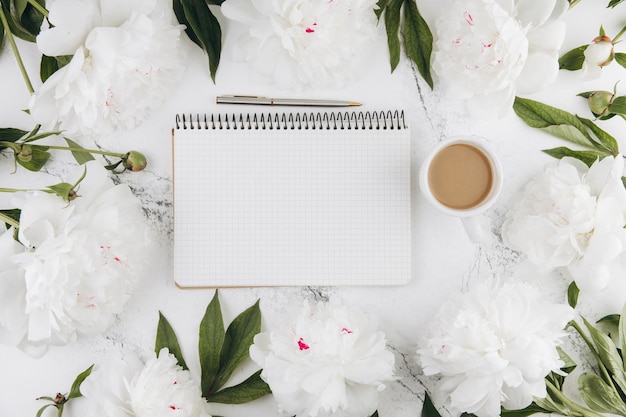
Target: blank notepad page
<point>287,203</point>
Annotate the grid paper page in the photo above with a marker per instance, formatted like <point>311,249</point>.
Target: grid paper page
<point>291,207</point>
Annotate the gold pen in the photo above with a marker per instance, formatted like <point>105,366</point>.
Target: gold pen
<point>267,101</point>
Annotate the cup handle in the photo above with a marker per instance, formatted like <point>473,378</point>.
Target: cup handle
<point>474,229</point>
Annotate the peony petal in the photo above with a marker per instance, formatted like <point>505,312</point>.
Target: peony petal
<point>534,13</point>
<point>72,20</point>
<point>540,70</point>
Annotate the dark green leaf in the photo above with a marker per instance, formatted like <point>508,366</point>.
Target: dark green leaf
<point>599,396</point>
<point>429,410</point>
<point>80,156</point>
<point>375,414</point>
<point>215,2</point>
<point>207,30</point>
<point>608,355</point>
<point>239,337</point>
<point>251,389</point>
<point>555,121</point>
<point>622,335</point>
<point>51,64</point>
<point>619,105</point>
<point>166,338</point>
<point>525,412</point>
<point>605,141</point>
<point>614,3</point>
<point>572,294</point>
<point>10,135</point>
<point>30,18</point>
<point>620,58</point>
<point>588,157</point>
<point>180,16</point>
<point>392,26</point>
<point>381,5</point>
<point>210,345</point>
<point>573,60</point>
<point>75,390</point>
<point>15,26</point>
<point>39,158</point>
<point>12,214</point>
<point>418,40</point>
<point>1,37</point>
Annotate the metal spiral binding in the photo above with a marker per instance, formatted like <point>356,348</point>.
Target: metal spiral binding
<point>299,121</point>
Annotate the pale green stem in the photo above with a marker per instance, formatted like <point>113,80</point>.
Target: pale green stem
<point>11,190</point>
<point>605,374</point>
<point>18,57</point>
<point>6,219</point>
<point>69,148</point>
<point>619,35</point>
<point>39,7</point>
<point>569,403</point>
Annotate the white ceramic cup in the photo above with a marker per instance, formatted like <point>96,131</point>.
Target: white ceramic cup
<point>469,216</point>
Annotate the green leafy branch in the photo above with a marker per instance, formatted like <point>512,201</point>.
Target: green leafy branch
<point>416,35</point>
<point>575,129</point>
<point>34,157</point>
<point>59,400</point>
<point>221,352</point>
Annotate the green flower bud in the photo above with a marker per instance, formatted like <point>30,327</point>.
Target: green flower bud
<point>599,102</point>
<point>135,161</point>
<point>26,153</point>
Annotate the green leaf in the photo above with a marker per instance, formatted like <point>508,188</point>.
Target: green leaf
<point>605,141</point>
<point>618,105</point>
<point>620,58</point>
<point>599,396</point>
<point>608,355</point>
<point>614,3</point>
<point>42,409</point>
<point>210,346</point>
<point>62,189</point>
<point>429,410</point>
<point>524,412</point>
<point>39,158</point>
<point>10,134</point>
<point>588,157</point>
<point>572,294</point>
<point>11,214</point>
<point>1,36</point>
<point>237,341</point>
<point>392,27</point>
<point>555,121</point>
<point>381,5</point>
<point>418,40</point>
<point>621,332</point>
<point>30,18</point>
<point>207,30</point>
<point>15,26</point>
<point>375,414</point>
<point>51,64</point>
<point>180,16</point>
<point>568,363</point>
<point>585,94</point>
<point>166,338</point>
<point>251,389</point>
<point>80,156</point>
<point>573,60</point>
<point>75,390</point>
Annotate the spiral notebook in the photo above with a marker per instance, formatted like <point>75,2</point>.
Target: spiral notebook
<point>291,199</point>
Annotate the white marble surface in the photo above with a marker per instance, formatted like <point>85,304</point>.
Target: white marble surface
<point>444,260</point>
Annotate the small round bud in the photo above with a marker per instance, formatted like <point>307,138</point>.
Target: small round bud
<point>599,102</point>
<point>135,161</point>
<point>26,153</point>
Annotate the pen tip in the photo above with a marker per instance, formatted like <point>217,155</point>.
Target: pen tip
<point>354,103</point>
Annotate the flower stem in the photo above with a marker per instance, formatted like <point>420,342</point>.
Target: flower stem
<point>619,35</point>
<point>569,403</point>
<point>71,149</point>
<point>605,374</point>
<point>9,220</point>
<point>38,7</point>
<point>18,57</point>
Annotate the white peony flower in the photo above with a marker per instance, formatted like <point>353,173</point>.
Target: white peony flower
<point>486,51</point>
<point>314,42</point>
<point>126,59</point>
<point>598,54</point>
<point>78,264</point>
<point>325,361</point>
<point>573,216</point>
<point>493,347</point>
<point>127,387</point>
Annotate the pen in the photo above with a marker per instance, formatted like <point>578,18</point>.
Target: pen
<point>267,101</point>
